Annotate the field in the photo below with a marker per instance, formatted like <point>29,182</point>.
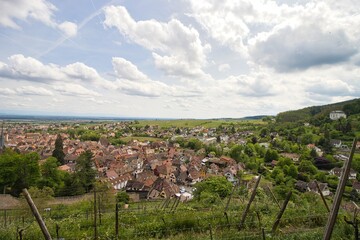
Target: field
<point>191,123</point>
<point>304,218</point>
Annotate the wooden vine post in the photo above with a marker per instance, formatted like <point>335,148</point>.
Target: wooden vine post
<point>36,214</point>
<point>249,203</point>
<point>338,195</point>
<point>282,210</point>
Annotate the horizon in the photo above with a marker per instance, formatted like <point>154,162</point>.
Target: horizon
<point>176,60</point>
<point>5,116</point>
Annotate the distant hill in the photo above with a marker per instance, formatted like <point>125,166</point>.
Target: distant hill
<point>258,117</point>
<point>349,107</point>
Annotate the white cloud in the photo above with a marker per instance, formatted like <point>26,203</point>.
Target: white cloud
<point>302,47</point>
<point>132,81</point>
<point>72,89</point>
<point>69,28</point>
<point>177,49</point>
<point>224,67</point>
<point>39,10</point>
<point>223,21</point>
<point>283,36</point>
<point>7,91</point>
<point>30,69</point>
<point>126,70</point>
<point>30,90</point>
<point>255,84</point>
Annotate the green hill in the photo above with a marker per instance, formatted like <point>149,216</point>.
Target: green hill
<point>350,107</point>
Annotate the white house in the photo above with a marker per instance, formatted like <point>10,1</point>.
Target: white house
<point>335,115</point>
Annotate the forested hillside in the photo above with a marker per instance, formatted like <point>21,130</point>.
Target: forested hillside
<point>319,112</point>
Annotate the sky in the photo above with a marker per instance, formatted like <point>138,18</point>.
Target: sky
<point>176,58</point>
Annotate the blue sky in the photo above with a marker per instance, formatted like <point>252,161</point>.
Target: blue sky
<point>176,59</point>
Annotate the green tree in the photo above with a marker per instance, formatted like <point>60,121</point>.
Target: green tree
<point>235,152</point>
<point>122,197</point>
<point>293,171</point>
<point>58,152</point>
<point>84,170</point>
<point>217,185</point>
<point>271,155</point>
<point>307,167</point>
<point>194,144</point>
<point>8,169</point>
<point>250,150</point>
<point>50,174</point>
<point>18,171</point>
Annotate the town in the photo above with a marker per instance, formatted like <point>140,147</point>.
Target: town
<point>204,164</point>
<point>171,160</point>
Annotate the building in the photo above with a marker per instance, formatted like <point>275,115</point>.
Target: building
<point>335,115</point>
<point>2,138</point>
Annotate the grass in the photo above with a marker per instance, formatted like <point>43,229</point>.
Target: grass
<point>304,218</point>
<point>191,123</point>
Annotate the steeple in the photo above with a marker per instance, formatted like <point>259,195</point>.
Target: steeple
<point>2,138</point>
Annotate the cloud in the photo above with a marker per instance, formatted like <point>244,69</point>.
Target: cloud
<point>176,49</point>
<point>7,91</point>
<point>30,69</point>
<point>39,10</point>
<point>69,28</point>
<point>30,90</point>
<point>72,89</point>
<point>251,85</point>
<point>224,67</point>
<point>302,47</point>
<point>131,81</point>
<point>223,21</point>
<point>26,90</point>
<point>283,36</point>
<point>126,70</point>
<point>331,88</point>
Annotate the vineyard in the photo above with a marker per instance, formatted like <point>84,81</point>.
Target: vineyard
<point>305,217</point>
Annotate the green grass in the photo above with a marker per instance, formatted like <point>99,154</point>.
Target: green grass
<point>190,123</point>
<point>304,218</point>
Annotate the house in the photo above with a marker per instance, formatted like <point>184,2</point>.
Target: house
<point>356,186</point>
<point>338,172</point>
<point>136,190</point>
<point>301,186</point>
<point>341,157</point>
<point>335,115</point>
<point>335,143</point>
<point>311,187</point>
<point>230,177</point>
<point>121,181</point>
<point>162,188</point>
<point>293,156</point>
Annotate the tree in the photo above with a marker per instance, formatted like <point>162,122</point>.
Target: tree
<point>28,170</point>
<point>194,144</point>
<point>235,152</point>
<point>8,169</point>
<point>293,172</point>
<point>50,174</point>
<point>58,152</point>
<point>122,197</point>
<point>217,185</point>
<point>18,171</point>
<point>250,150</point>
<point>307,167</point>
<point>271,155</point>
<point>84,171</point>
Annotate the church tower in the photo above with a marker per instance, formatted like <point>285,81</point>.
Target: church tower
<point>2,138</point>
